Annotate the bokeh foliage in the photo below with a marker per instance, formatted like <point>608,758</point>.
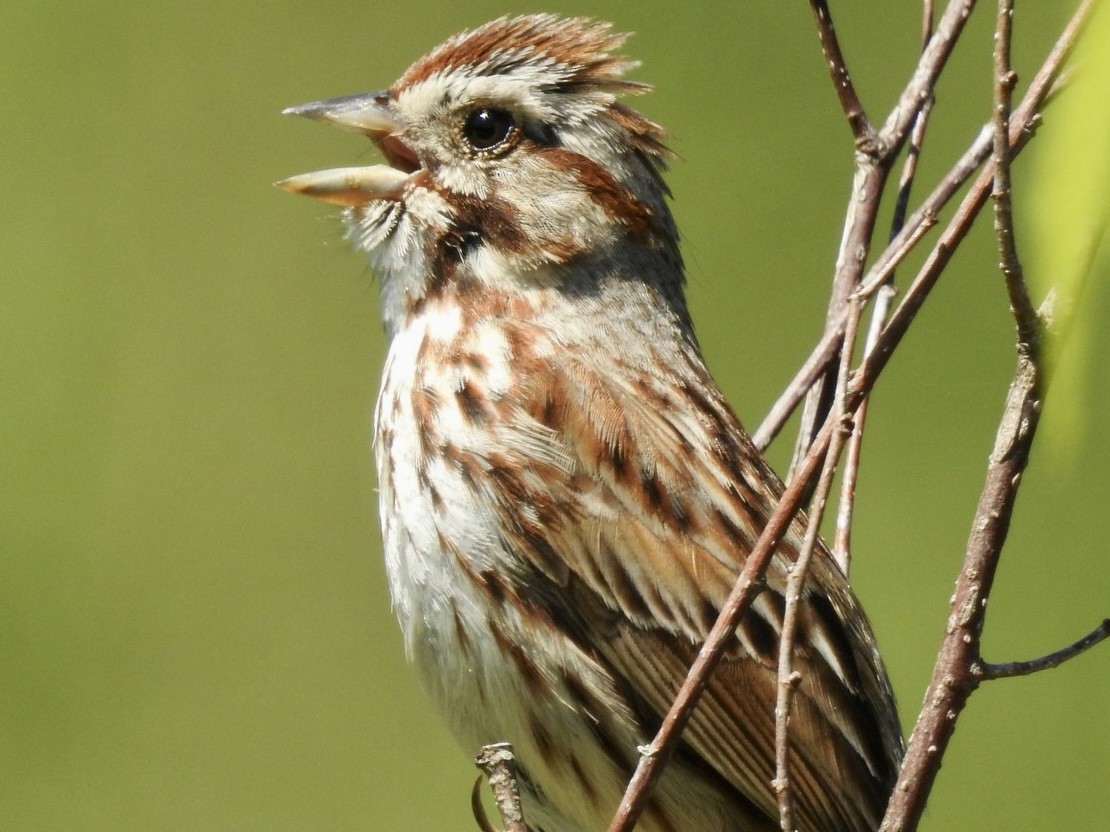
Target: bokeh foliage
<point>194,627</point>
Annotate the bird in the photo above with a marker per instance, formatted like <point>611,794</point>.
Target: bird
<point>565,497</point>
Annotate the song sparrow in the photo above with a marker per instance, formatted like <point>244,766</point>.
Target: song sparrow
<point>565,496</point>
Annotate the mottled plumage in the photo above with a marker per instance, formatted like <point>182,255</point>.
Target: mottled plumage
<point>566,498</point>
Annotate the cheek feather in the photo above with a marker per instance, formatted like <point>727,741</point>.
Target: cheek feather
<point>584,210</point>
<point>616,202</point>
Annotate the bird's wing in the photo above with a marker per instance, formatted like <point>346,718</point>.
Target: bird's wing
<point>654,498</point>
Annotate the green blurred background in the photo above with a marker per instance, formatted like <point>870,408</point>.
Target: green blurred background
<point>194,627</point>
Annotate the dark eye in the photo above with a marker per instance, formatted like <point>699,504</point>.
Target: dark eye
<point>487,127</point>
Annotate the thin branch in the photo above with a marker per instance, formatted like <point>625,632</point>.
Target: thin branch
<point>796,390</point>
<point>1024,117</point>
<point>952,682</point>
<point>1025,315</point>
<point>862,131</point>
<point>842,543</point>
<point>498,764</point>
<point>859,226</point>
<point>788,678</point>
<point>927,16</point>
<point>986,670</point>
<point>924,78</point>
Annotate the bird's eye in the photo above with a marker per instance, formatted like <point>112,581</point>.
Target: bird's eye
<point>487,127</point>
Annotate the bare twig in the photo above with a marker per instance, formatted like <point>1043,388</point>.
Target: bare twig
<point>952,682</point>
<point>842,543</point>
<point>498,764</point>
<point>476,807</point>
<point>928,13</point>
<point>1021,122</point>
<point>795,391</point>
<point>920,87</point>
<point>842,80</point>
<point>987,670</point>
<point>823,353</point>
<point>859,225</point>
<point>1025,315</point>
<point>788,678</point>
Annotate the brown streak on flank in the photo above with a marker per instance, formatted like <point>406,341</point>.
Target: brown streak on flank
<point>476,361</point>
<point>428,485</point>
<point>464,464</point>
<point>460,630</point>
<point>474,406</point>
<point>509,484</point>
<point>624,590</point>
<point>684,520</point>
<point>527,669</point>
<point>536,515</point>
<point>493,585</point>
<point>425,404</point>
<point>651,489</point>
<point>541,389</point>
<point>489,581</point>
<point>613,452</point>
<point>589,705</point>
<point>740,538</point>
<point>584,783</point>
<point>385,436</point>
<point>596,451</point>
<point>548,558</point>
<point>548,414</point>
<point>546,398</point>
<point>661,502</point>
<point>425,353</point>
<point>545,745</point>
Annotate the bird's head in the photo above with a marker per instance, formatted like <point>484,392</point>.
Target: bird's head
<point>509,157</point>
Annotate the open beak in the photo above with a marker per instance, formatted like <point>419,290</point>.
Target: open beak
<point>371,114</point>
